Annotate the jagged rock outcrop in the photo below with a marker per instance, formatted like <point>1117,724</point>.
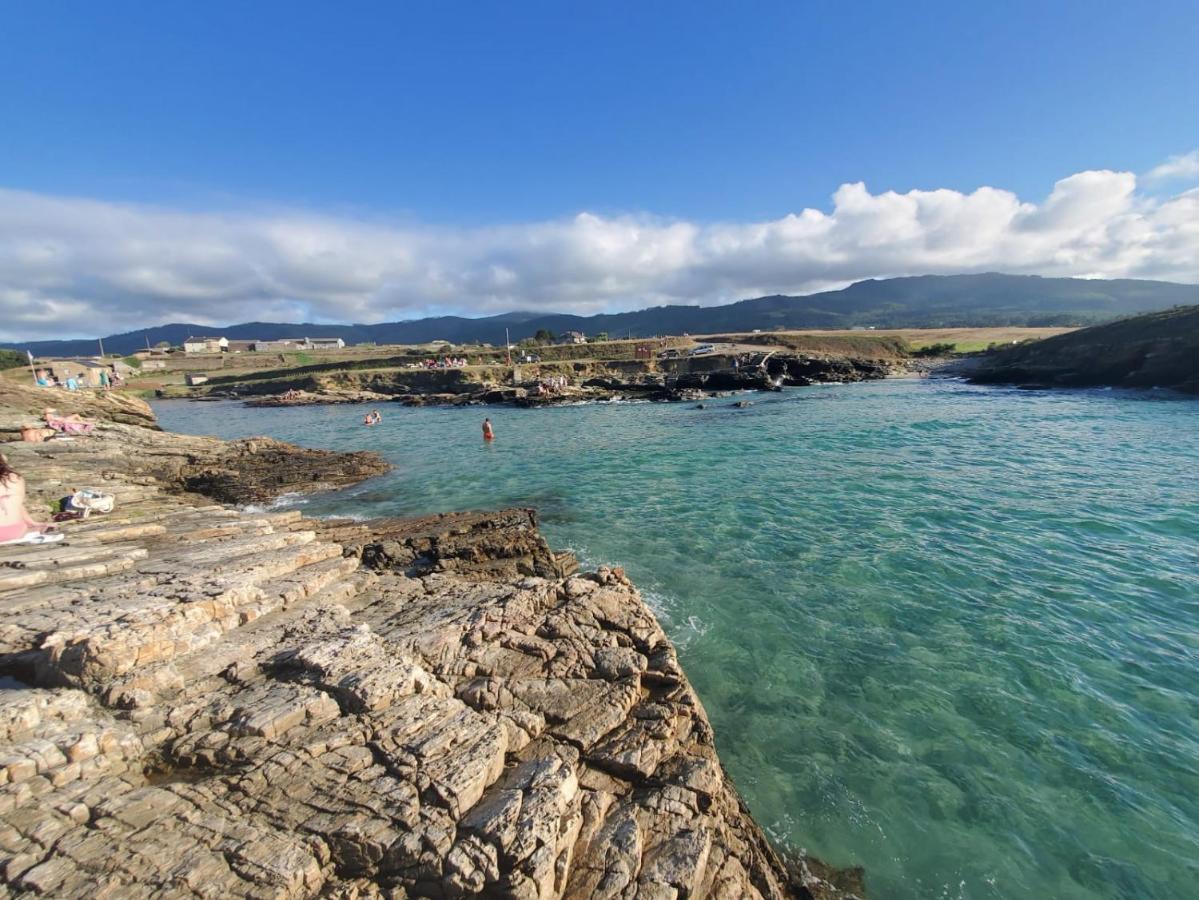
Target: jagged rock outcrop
<point>726,380</point>
<point>232,704</point>
<point>479,546</point>
<point>801,371</point>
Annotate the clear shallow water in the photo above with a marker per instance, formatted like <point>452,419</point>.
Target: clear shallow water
<point>948,633</point>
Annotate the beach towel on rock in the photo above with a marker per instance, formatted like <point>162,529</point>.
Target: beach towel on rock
<point>35,537</point>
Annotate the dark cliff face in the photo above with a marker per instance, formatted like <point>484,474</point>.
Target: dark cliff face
<point>1155,350</point>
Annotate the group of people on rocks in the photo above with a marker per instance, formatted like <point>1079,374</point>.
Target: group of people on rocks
<point>554,384</point>
<point>446,362</point>
<point>109,378</point>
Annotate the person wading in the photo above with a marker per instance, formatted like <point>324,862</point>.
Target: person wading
<point>488,434</point>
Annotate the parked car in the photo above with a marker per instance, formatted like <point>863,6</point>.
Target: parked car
<point>702,349</point>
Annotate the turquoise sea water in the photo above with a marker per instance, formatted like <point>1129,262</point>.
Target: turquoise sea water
<point>948,633</point>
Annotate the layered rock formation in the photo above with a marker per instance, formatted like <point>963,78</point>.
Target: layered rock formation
<point>252,470</point>
<point>23,402</point>
<point>231,704</point>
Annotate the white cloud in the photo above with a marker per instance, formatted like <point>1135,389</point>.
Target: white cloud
<point>1176,168</point>
<point>73,267</point>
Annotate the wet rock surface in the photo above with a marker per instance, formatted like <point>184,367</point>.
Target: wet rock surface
<point>226,703</point>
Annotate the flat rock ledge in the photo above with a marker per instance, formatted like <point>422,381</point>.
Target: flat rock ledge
<point>219,703</point>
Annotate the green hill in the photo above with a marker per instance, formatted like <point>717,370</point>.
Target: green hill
<point>1156,350</point>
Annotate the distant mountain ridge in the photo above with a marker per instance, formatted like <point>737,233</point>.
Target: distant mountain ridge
<point>922,301</point>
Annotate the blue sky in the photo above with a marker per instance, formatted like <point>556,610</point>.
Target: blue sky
<point>441,123</point>
<point>486,112</point>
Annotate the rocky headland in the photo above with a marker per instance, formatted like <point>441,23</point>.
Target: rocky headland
<point>1155,350</point>
<point>208,702</point>
<point>603,381</point>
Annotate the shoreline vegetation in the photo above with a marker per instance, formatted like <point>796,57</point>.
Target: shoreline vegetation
<point>214,700</point>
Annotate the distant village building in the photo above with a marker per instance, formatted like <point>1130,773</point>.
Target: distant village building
<point>205,344</point>
<point>298,344</point>
<point>572,337</point>
<point>276,346</point>
<point>239,346</point>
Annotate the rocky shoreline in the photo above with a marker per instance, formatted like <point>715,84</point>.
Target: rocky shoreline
<point>711,376</point>
<point>224,703</point>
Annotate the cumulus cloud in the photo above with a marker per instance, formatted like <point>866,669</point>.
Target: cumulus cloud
<point>74,267</point>
<point>1175,168</point>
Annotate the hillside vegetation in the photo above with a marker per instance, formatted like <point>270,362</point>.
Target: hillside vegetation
<point>10,359</point>
<point>1156,350</point>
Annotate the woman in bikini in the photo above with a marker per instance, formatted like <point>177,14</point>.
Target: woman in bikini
<point>15,521</point>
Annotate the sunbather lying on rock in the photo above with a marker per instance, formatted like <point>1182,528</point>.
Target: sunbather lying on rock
<point>16,525</point>
<point>70,424</point>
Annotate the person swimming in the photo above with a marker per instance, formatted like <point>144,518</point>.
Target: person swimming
<point>488,434</point>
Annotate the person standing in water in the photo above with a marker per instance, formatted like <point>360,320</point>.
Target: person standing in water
<point>488,434</point>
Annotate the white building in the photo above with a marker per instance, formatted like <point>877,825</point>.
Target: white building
<point>298,344</point>
<point>205,345</point>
